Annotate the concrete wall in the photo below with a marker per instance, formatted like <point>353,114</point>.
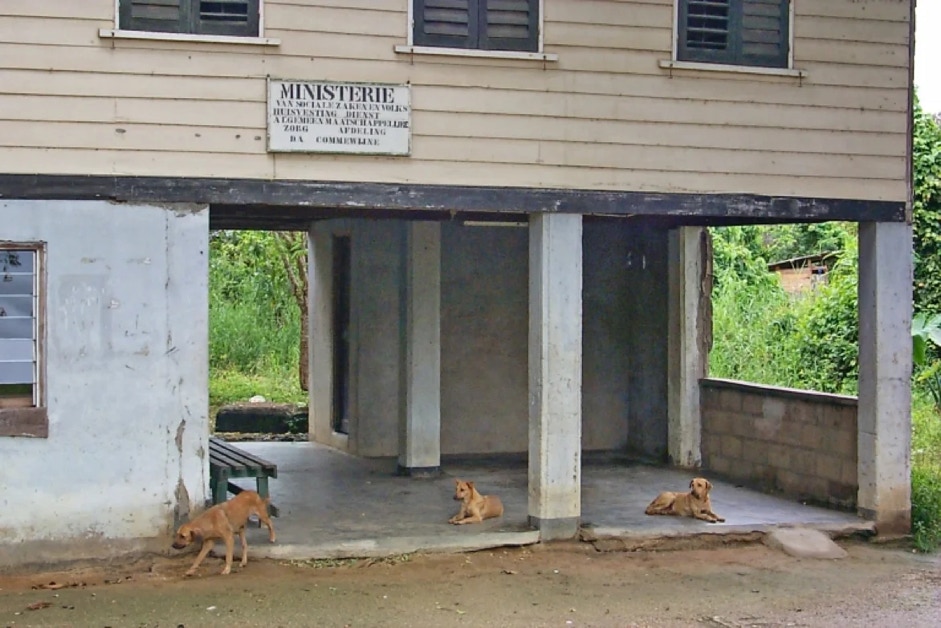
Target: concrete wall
<point>484,323</point>
<point>799,442</point>
<point>126,365</point>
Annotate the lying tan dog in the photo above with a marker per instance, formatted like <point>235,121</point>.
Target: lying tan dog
<point>474,506</point>
<point>695,503</point>
<point>223,521</point>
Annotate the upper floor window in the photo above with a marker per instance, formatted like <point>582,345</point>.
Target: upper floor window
<point>477,24</point>
<point>734,32</point>
<point>21,396</point>
<point>202,17</point>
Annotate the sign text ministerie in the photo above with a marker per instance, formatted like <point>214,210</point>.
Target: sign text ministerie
<point>319,117</point>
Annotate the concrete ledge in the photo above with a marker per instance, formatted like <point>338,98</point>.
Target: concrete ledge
<point>556,529</point>
<point>378,548</point>
<point>779,391</point>
<point>625,539</point>
<point>30,555</point>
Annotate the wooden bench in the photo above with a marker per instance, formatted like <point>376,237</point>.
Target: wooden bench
<point>228,461</point>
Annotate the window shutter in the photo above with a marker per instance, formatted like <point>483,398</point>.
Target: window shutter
<point>705,29</point>
<point>510,25</point>
<point>445,23</point>
<point>162,16</point>
<point>744,32</point>
<point>226,17</point>
<point>764,33</point>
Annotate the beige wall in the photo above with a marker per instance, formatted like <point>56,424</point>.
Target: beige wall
<point>604,116</point>
<point>800,443</point>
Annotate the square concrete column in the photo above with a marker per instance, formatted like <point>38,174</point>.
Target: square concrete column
<point>320,335</point>
<point>688,340</point>
<point>555,373</point>
<point>420,416</point>
<point>885,369</point>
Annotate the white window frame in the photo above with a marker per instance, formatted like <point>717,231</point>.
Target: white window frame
<point>539,55</point>
<point>35,417</point>
<point>118,33</point>
<point>674,64</point>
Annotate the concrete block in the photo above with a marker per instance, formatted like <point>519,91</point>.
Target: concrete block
<point>716,421</point>
<point>731,446</point>
<point>767,428</point>
<point>752,404</point>
<point>773,408</point>
<point>779,456</point>
<point>841,442</point>
<point>802,412</point>
<point>804,543</point>
<point>811,436</point>
<point>755,451</point>
<point>829,467</point>
<point>803,461</point>
<point>730,400</point>
<point>849,474</point>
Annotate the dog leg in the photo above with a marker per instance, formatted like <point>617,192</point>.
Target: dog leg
<point>462,513</point>
<point>265,519</point>
<point>229,551</point>
<point>244,547</point>
<point>207,545</point>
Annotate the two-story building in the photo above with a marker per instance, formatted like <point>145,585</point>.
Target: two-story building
<point>506,202</point>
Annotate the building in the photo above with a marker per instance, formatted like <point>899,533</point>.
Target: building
<point>506,204</point>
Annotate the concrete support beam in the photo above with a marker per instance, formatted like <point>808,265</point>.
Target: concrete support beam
<point>688,340</point>
<point>555,373</point>
<point>320,339</point>
<point>420,414</point>
<point>885,368</point>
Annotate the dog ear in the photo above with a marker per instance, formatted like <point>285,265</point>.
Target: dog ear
<point>691,482</point>
<point>708,485</point>
<point>470,485</point>
<point>197,535</point>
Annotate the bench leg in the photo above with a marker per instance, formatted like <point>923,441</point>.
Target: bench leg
<point>220,488</point>
<point>261,482</point>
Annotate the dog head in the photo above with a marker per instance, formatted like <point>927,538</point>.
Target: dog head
<point>185,535</point>
<point>463,490</point>
<point>700,487</point>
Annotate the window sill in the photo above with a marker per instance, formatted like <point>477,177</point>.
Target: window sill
<point>485,54</point>
<point>24,422</point>
<point>696,66</point>
<point>110,33</point>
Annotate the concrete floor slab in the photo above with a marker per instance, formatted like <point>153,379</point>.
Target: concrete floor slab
<point>335,505</point>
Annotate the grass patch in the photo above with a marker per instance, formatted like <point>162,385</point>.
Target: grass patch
<point>926,473</point>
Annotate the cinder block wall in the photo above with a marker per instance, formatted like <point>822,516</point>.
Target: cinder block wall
<point>798,442</point>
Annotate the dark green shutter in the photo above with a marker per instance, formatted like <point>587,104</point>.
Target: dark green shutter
<point>226,17</point>
<point>509,25</point>
<point>160,16</point>
<point>445,23</point>
<point>740,32</point>
<point>764,33</point>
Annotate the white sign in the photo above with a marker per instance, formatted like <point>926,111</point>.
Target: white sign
<point>320,117</point>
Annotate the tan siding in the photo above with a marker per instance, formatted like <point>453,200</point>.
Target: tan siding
<point>605,116</point>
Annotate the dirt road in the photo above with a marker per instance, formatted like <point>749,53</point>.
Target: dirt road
<point>556,585</point>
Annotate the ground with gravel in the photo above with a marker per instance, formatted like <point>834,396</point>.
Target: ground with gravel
<point>569,584</point>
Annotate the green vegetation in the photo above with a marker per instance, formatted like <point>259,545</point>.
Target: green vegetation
<point>254,321</point>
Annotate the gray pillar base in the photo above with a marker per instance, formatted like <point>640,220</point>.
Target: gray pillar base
<point>418,472</point>
<point>555,529</point>
<point>889,524</point>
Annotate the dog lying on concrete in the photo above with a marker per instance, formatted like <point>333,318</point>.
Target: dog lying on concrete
<point>474,506</point>
<point>694,503</point>
<point>223,522</point>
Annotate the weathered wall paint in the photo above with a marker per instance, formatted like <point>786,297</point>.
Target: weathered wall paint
<point>484,331</point>
<point>126,374</point>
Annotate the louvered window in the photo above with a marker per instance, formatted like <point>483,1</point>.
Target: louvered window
<point>221,17</point>
<point>21,398</point>
<point>477,24</point>
<point>736,32</point>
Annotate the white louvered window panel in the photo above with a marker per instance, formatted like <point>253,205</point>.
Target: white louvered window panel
<point>19,327</point>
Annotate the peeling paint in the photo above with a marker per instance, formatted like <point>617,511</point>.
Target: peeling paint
<point>179,435</point>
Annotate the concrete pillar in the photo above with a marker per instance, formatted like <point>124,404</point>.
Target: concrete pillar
<point>320,339</point>
<point>555,373</point>
<point>420,416</point>
<point>885,368</point>
<point>688,339</point>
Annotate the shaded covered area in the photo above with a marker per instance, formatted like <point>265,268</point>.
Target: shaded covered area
<point>336,505</point>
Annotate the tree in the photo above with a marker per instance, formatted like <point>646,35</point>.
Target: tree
<point>926,217</point>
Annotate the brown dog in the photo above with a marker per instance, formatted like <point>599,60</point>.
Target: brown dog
<point>223,521</point>
<point>695,503</point>
<point>474,506</point>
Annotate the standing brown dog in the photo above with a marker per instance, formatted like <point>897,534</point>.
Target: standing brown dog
<point>474,506</point>
<point>223,521</point>
<point>695,503</point>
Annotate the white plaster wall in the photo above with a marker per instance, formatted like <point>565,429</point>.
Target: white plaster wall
<point>126,367</point>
